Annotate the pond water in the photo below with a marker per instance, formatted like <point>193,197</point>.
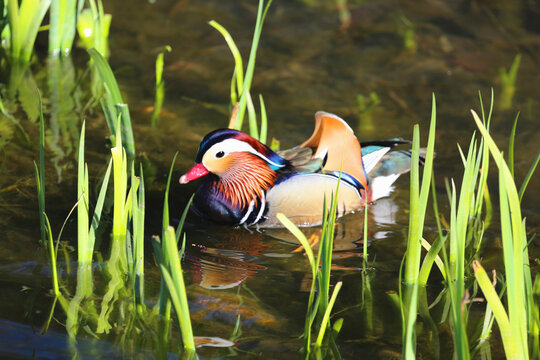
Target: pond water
<point>308,60</point>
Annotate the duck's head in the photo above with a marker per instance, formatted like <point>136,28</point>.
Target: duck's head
<point>229,153</point>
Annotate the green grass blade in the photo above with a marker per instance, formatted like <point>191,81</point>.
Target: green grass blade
<point>40,180</point>
<point>365,240</point>
<point>25,21</point>
<point>177,290</point>
<point>264,121</point>
<point>165,222</point>
<point>113,105</point>
<point>252,117</point>
<point>63,16</point>
<point>514,247</point>
<point>418,205</point>
<point>299,235</point>
<point>164,296</point>
<point>430,258</point>
<point>183,218</point>
<point>127,130</point>
<point>511,145</point>
<point>238,63</point>
<point>99,207</point>
<point>312,307</point>
<point>529,176</point>
<point>412,255</point>
<point>494,302</point>
<point>138,208</point>
<point>82,209</point>
<point>428,166</point>
<point>326,317</point>
<point>251,62</point>
<point>160,86</point>
<point>52,256</point>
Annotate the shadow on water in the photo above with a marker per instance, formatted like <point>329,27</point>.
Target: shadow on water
<point>251,286</point>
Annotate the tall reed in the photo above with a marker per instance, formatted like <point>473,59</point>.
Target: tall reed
<point>172,282</point>
<point>160,86</point>
<point>470,214</point>
<point>63,25</point>
<point>320,301</point>
<point>508,80</point>
<point>522,307</point>
<point>418,204</point>
<point>241,85</point>
<point>24,22</point>
<point>45,226</point>
<point>93,27</point>
<point>40,173</point>
<point>113,105</point>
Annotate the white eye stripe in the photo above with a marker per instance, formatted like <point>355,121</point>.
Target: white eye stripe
<point>232,145</point>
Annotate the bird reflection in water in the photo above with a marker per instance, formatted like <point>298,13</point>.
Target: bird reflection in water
<point>230,257</point>
<point>349,232</point>
<point>228,262</point>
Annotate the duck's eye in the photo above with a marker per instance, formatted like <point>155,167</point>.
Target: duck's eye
<point>220,154</point>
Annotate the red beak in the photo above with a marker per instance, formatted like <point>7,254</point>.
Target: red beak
<point>197,171</point>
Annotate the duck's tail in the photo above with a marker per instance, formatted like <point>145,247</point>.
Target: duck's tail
<point>388,170</point>
<point>334,142</point>
<point>371,163</point>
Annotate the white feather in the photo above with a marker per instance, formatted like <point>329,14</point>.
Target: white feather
<point>248,212</point>
<point>261,211</point>
<point>233,145</point>
<point>381,186</point>
<point>373,158</point>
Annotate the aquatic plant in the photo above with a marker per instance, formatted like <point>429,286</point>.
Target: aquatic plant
<point>464,237</point>
<point>136,261</point>
<point>320,305</point>
<point>65,95</point>
<point>241,85</point>
<point>344,14</point>
<point>406,29</point>
<point>418,204</point>
<point>87,236</point>
<point>45,226</point>
<point>523,318</point>
<point>40,181</point>
<point>171,270</point>
<point>160,86</point>
<point>113,105</point>
<point>63,18</point>
<point>508,83</point>
<point>93,27</point>
<point>365,109</point>
<point>24,22</point>
<point>172,282</point>
<point>464,222</point>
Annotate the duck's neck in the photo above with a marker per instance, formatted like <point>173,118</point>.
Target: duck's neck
<point>245,181</point>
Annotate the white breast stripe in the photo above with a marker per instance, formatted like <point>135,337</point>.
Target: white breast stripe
<point>261,211</point>
<point>371,159</point>
<point>233,145</point>
<point>250,209</point>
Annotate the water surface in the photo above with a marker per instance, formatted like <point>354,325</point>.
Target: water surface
<point>308,61</point>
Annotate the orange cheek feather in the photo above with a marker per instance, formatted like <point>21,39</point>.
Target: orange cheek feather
<point>219,166</point>
<point>245,179</point>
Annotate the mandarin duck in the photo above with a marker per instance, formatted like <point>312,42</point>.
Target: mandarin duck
<point>244,182</point>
